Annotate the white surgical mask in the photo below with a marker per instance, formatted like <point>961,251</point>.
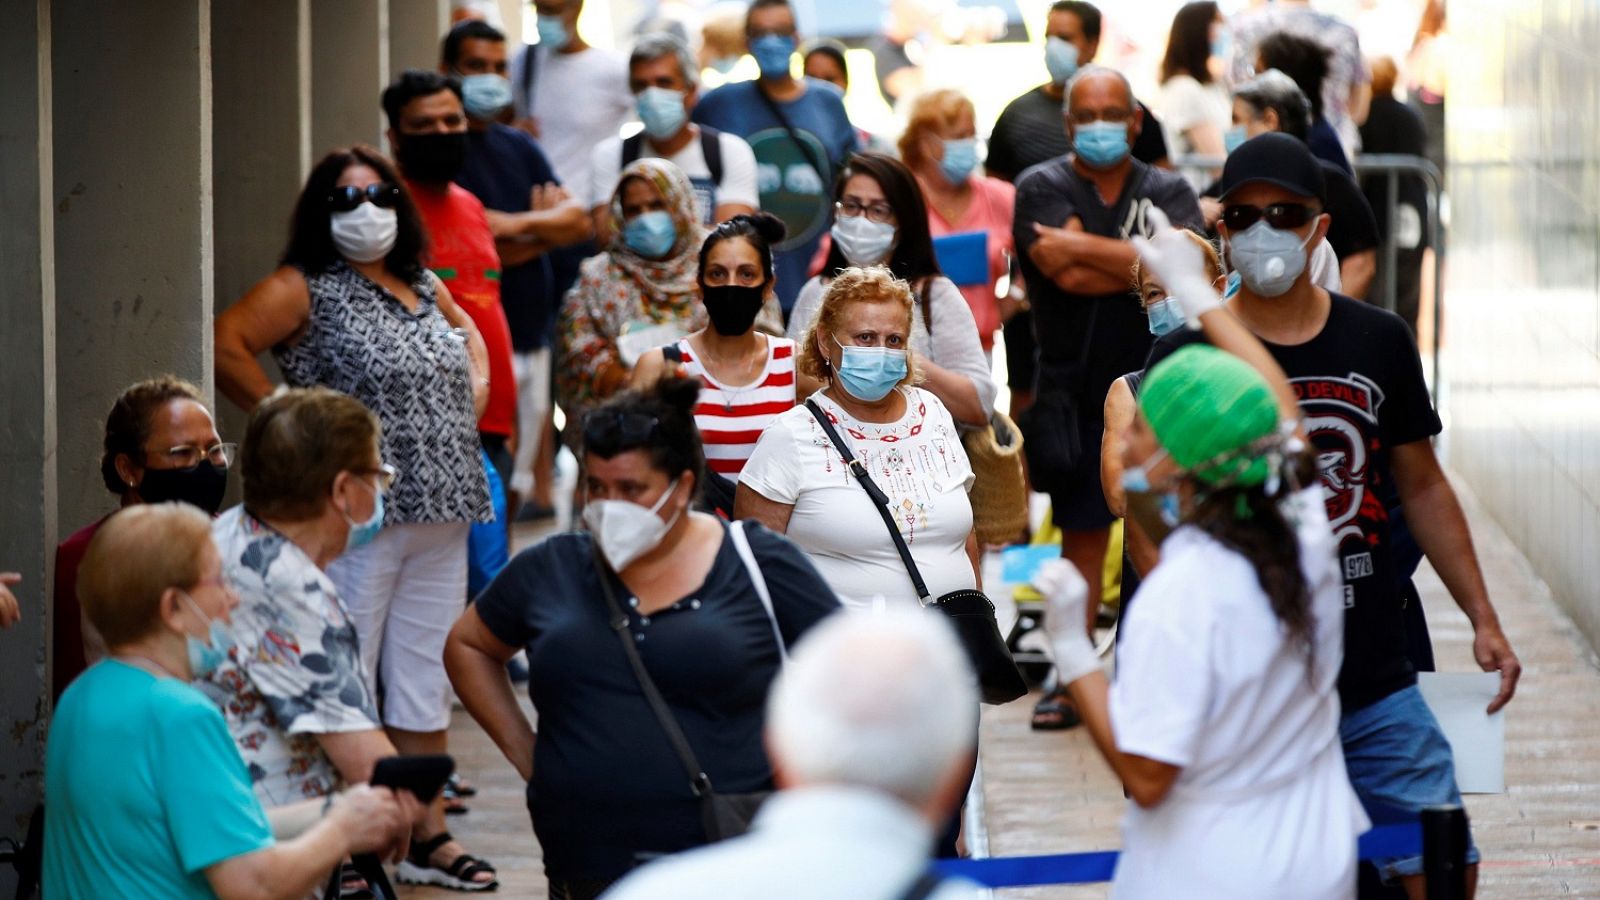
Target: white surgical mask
<point>626,531</point>
<point>364,234</point>
<point>863,241</point>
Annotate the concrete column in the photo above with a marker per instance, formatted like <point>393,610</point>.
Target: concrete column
<point>416,28</point>
<point>349,70</point>
<point>261,142</point>
<point>132,189</point>
<point>27,405</point>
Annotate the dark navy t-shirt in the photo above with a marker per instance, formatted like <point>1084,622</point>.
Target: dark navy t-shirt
<point>502,167</point>
<point>606,785</point>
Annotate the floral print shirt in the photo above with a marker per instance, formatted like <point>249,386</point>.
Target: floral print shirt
<point>295,669</point>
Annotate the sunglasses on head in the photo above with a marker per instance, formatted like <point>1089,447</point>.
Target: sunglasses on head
<point>605,431</point>
<point>1278,215</point>
<point>383,195</point>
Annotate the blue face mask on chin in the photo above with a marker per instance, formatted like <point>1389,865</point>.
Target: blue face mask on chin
<point>1136,480</point>
<point>772,53</point>
<point>1101,144</point>
<point>208,655</point>
<point>870,373</point>
<point>651,234</point>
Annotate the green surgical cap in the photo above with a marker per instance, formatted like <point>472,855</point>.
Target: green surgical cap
<point>1205,406</point>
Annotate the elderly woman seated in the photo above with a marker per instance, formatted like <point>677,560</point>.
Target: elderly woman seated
<point>146,792</point>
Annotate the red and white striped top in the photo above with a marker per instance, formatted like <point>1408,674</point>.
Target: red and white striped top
<point>731,419</point>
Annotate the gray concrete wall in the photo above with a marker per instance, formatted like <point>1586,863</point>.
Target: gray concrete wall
<point>133,217</point>
<point>350,68</point>
<point>1522,318</point>
<point>27,404</point>
<point>416,28</point>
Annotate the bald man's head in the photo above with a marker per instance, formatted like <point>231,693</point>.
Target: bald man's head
<point>1102,117</point>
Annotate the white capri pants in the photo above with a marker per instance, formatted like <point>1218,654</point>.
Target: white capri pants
<point>405,591</point>
<point>533,402</point>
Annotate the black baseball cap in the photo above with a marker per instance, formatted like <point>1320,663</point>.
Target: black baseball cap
<point>1274,158</point>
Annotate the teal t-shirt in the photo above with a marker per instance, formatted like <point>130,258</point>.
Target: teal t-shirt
<point>143,789</point>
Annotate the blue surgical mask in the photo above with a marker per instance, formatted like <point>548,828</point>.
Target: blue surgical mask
<point>1231,287</point>
<point>863,241</point>
<point>1233,137</point>
<point>207,655</point>
<point>1269,259</point>
<point>651,234</point>
<point>485,96</point>
<point>870,373</point>
<point>1166,316</point>
<point>960,158</point>
<point>362,533</point>
<point>553,32</point>
<point>1222,45</point>
<point>1061,59</point>
<point>1101,144</point>
<point>772,53</point>
<point>661,110</point>
<point>722,65</point>
<point>1136,480</point>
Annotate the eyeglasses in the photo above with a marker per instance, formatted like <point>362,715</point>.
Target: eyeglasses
<point>875,212</point>
<point>188,456</point>
<point>607,431</point>
<point>386,476</point>
<point>382,195</point>
<point>1278,215</point>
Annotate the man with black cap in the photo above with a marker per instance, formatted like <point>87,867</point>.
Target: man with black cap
<point>1367,411</point>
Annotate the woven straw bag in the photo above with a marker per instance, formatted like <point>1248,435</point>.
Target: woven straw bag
<point>999,495</point>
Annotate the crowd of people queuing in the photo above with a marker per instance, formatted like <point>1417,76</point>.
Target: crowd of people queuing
<point>752,326</point>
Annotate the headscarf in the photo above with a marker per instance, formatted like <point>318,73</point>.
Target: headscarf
<point>678,273</point>
<point>1214,414</point>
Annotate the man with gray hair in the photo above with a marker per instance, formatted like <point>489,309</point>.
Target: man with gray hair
<point>871,730</point>
<point>721,166</point>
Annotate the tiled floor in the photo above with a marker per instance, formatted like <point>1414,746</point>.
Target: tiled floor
<point>1048,793</point>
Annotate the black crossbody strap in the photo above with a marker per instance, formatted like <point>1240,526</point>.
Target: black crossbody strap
<point>805,148</point>
<point>699,781</point>
<point>879,499</point>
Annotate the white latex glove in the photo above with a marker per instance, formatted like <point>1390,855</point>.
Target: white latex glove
<point>1066,599</point>
<point>1180,266</point>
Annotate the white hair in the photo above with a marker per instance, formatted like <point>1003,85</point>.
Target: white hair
<point>657,44</point>
<point>884,700</point>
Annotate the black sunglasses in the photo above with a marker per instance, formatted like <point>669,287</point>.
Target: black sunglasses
<point>608,432</point>
<point>1278,215</point>
<point>383,195</point>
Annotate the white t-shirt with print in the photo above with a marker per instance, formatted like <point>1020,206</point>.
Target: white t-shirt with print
<point>579,100</point>
<point>295,669</point>
<point>1207,680</point>
<point>917,461</point>
<point>738,183</point>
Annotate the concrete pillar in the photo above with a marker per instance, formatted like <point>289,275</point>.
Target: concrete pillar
<point>132,150</point>
<point>27,405</point>
<point>349,70</point>
<point>416,28</point>
<point>261,145</point>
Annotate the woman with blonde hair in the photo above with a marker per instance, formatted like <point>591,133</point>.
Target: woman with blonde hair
<point>940,146</point>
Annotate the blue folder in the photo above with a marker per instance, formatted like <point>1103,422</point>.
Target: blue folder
<point>964,257</point>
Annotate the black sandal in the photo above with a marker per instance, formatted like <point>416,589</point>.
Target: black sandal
<point>1055,712</point>
<point>416,868</point>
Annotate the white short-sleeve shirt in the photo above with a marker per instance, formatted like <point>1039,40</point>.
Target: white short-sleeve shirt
<point>1208,680</point>
<point>917,461</point>
<point>738,184</point>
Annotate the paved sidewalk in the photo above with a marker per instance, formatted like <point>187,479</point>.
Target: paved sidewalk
<point>1051,793</point>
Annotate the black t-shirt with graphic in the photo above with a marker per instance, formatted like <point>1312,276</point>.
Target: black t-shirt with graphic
<point>1362,394</point>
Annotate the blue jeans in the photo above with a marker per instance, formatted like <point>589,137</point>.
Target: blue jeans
<point>1397,757</point>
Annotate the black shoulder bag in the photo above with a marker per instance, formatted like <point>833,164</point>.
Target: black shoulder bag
<point>969,611</point>
<point>722,815</point>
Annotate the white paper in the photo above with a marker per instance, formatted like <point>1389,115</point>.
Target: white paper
<point>1459,701</point>
<point>637,338</point>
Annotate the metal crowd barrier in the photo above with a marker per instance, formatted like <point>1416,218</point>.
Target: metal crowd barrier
<point>1440,836</point>
<point>1393,167</point>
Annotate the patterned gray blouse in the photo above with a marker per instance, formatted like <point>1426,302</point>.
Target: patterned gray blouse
<point>411,369</point>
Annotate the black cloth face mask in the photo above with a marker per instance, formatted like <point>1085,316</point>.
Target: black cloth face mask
<point>432,158</point>
<point>733,307</point>
<point>201,486</point>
